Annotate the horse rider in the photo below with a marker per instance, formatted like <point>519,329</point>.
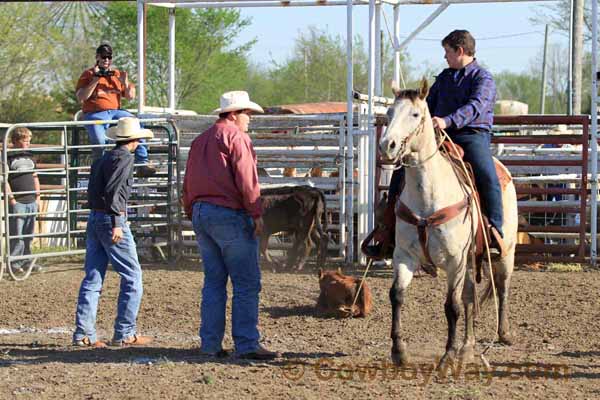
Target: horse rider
<point>461,102</point>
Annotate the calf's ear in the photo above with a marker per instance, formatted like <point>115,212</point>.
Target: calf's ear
<point>320,273</point>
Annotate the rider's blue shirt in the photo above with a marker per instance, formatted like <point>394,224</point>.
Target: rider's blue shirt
<point>464,98</point>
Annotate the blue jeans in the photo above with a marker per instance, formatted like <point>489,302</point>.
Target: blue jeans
<point>123,257</point>
<point>229,249</point>
<point>477,152</point>
<point>97,133</point>
<point>19,226</point>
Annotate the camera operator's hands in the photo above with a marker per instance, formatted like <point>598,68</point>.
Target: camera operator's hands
<point>124,78</point>
<point>128,89</point>
<point>96,71</point>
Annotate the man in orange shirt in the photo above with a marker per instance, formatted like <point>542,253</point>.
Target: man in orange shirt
<point>100,89</point>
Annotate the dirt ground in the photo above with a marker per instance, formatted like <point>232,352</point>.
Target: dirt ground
<point>555,317</point>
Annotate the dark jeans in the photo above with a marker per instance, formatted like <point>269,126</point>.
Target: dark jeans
<point>123,256</point>
<point>229,249</point>
<point>477,152</point>
<point>21,225</point>
<point>97,133</point>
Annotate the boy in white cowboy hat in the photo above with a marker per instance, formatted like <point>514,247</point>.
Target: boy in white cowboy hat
<point>222,197</point>
<point>108,237</point>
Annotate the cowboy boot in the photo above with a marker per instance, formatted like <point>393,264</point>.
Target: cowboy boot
<point>384,235</point>
<point>496,242</point>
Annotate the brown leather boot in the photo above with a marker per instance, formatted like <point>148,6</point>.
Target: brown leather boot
<point>496,242</point>
<point>135,340</point>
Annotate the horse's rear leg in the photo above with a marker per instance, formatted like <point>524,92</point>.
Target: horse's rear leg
<point>467,352</point>
<point>502,280</point>
<point>402,277</point>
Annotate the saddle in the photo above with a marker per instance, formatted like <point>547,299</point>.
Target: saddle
<point>384,235</point>
<point>455,154</point>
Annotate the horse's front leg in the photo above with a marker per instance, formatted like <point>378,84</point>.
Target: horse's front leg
<point>404,269</point>
<point>452,309</point>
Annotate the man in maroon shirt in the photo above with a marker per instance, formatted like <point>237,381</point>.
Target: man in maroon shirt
<point>222,197</point>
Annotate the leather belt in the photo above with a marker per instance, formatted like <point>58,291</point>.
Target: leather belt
<point>104,211</point>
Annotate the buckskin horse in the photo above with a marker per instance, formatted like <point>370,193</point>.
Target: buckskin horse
<point>443,212</point>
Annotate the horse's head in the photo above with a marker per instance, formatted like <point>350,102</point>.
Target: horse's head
<point>406,119</point>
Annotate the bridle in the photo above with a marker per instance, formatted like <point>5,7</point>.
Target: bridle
<point>399,162</point>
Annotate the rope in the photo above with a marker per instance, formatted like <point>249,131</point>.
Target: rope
<point>369,263</point>
<point>485,240</point>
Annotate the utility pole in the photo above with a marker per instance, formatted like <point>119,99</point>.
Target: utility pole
<point>305,74</point>
<point>570,71</point>
<point>381,62</point>
<point>544,69</point>
<point>577,59</point>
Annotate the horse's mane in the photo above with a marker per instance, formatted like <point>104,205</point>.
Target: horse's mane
<point>410,94</point>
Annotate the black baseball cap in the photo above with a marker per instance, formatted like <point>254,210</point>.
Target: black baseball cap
<point>104,49</point>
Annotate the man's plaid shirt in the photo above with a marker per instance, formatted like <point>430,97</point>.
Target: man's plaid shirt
<point>464,98</point>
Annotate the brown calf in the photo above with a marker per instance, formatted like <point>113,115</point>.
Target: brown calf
<point>338,292</point>
<point>297,210</point>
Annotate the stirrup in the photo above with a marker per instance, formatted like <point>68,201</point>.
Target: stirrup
<point>497,242</point>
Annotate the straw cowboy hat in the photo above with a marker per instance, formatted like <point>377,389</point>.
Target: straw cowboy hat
<point>129,128</point>
<point>235,101</point>
<point>560,129</point>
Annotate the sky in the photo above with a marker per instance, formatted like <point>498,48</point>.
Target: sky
<point>491,24</point>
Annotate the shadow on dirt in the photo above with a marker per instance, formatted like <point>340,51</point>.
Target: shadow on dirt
<point>15,355</point>
<point>305,310</point>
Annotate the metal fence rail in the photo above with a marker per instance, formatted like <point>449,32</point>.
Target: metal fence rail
<point>304,142</point>
<point>63,164</point>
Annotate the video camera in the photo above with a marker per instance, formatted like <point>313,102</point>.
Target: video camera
<point>105,72</point>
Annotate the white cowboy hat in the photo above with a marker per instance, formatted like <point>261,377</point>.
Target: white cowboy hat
<point>129,128</point>
<point>235,101</point>
<point>560,129</point>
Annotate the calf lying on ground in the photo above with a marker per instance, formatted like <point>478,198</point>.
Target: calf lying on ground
<point>297,210</point>
<point>338,292</point>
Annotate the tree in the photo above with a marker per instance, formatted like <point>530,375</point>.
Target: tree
<point>558,16</point>
<point>521,87</point>
<point>206,64</point>
<point>316,71</point>
<point>28,60</point>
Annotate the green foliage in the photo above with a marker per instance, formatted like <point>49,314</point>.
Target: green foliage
<point>521,87</point>
<point>315,72</point>
<point>206,65</point>
<point>26,49</point>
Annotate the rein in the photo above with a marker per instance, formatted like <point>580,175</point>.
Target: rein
<point>400,163</point>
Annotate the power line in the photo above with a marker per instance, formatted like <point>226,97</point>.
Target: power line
<point>483,38</point>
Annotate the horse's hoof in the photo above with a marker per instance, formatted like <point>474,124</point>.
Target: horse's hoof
<point>446,361</point>
<point>467,355</point>
<point>399,353</point>
<point>399,359</point>
<point>506,339</point>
